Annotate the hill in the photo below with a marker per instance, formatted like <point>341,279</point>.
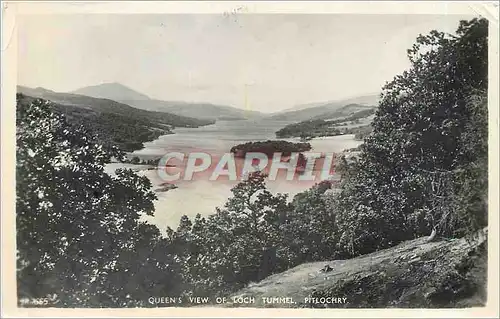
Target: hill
<point>416,273</point>
<point>112,91</point>
<point>111,106</point>
<point>205,111</point>
<point>348,119</point>
<point>353,110</point>
<point>114,123</point>
<point>321,110</point>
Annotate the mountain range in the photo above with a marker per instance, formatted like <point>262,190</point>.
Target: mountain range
<point>124,95</point>
<point>209,111</point>
<point>112,91</point>
<point>204,111</point>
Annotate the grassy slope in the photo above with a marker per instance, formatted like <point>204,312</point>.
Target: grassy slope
<point>411,274</point>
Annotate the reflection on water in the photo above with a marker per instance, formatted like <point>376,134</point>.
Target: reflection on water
<point>203,196</point>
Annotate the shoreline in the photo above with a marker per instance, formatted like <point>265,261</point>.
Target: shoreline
<point>202,195</point>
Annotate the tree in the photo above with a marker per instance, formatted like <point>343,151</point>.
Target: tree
<point>241,242</point>
<point>423,148</point>
<point>79,234</point>
<point>310,232</point>
<point>135,160</point>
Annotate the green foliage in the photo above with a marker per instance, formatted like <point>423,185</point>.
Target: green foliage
<point>310,231</point>
<point>253,236</point>
<point>423,167</point>
<point>238,244</point>
<point>79,234</point>
<point>361,132</point>
<point>100,105</point>
<point>116,124</point>
<point>424,164</point>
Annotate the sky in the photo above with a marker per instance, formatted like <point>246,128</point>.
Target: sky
<point>264,62</point>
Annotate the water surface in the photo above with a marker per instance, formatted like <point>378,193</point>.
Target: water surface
<point>203,196</point>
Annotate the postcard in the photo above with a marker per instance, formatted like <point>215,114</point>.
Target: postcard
<point>249,159</point>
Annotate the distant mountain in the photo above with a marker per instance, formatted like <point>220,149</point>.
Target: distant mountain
<point>322,110</point>
<point>112,91</point>
<point>205,111</point>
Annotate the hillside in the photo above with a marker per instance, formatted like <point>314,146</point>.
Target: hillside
<point>205,111</point>
<point>349,110</point>
<point>416,273</point>
<point>349,119</point>
<point>111,106</point>
<point>110,129</point>
<point>322,110</point>
<point>114,123</point>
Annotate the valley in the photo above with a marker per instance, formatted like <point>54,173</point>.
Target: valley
<point>146,135</point>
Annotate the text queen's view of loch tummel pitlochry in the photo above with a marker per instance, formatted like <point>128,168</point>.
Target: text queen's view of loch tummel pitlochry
<point>252,160</point>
